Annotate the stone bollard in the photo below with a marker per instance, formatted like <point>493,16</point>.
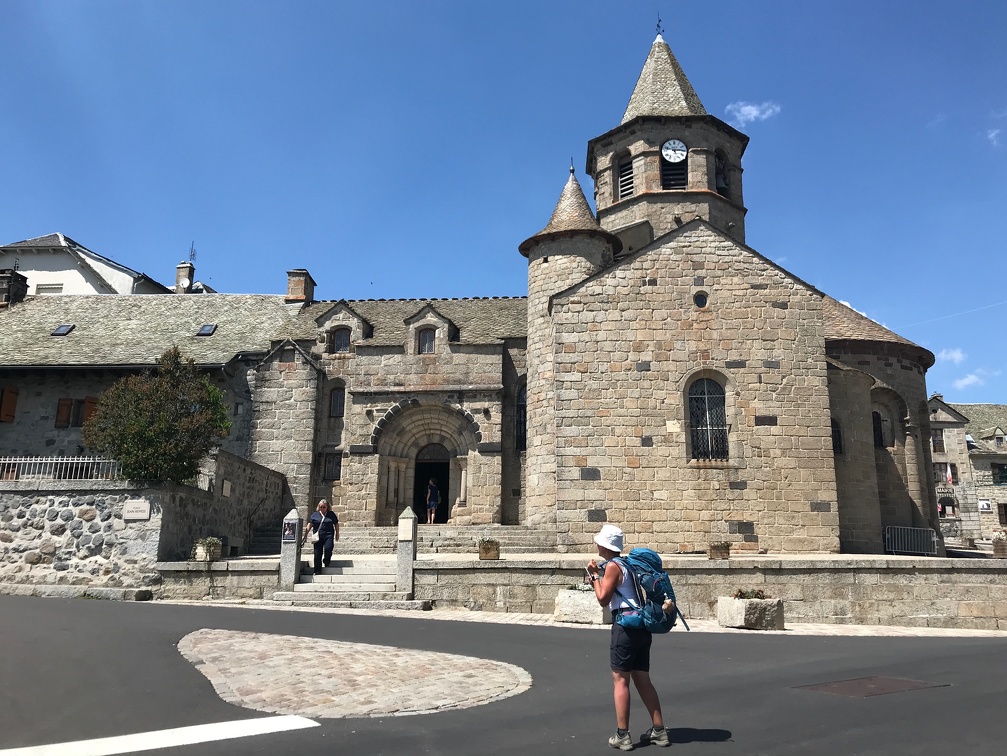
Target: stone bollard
<point>406,552</point>
<point>290,550</point>
<point>750,614</point>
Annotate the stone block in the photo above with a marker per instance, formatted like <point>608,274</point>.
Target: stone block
<point>580,607</point>
<point>750,614</point>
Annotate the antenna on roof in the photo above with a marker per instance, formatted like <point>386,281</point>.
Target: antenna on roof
<point>192,252</point>
<point>660,28</point>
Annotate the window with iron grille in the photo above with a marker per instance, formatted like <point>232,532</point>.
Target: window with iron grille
<point>521,420</point>
<point>675,175</point>
<point>626,178</point>
<point>837,438</point>
<point>333,466</point>
<point>937,440</point>
<point>341,340</point>
<point>879,430</point>
<point>708,420</point>
<point>337,402</point>
<point>425,340</point>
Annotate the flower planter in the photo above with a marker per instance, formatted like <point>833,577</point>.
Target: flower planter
<point>750,614</point>
<point>580,607</point>
<point>719,552</point>
<point>489,549</point>
<point>202,553</point>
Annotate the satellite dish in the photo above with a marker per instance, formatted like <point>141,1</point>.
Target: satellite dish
<point>185,283</point>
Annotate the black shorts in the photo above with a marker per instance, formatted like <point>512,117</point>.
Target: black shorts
<point>630,649</point>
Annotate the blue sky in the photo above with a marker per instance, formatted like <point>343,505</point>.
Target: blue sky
<point>405,149</point>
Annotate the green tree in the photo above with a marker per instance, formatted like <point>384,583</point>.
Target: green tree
<point>161,423</point>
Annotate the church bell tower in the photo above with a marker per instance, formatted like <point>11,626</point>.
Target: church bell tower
<point>668,162</point>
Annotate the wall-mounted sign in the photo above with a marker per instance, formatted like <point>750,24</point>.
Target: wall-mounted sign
<point>227,488</point>
<point>289,530</point>
<point>136,509</point>
<point>985,506</point>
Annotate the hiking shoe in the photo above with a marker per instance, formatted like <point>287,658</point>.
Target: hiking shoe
<point>622,742</point>
<point>657,737</point>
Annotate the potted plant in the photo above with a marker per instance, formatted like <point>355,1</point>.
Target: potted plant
<point>489,548</point>
<point>207,549</point>
<point>720,550</point>
<point>750,609</point>
<point>1000,544</point>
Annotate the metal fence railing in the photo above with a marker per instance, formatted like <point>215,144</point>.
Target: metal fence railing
<point>902,540</point>
<point>59,468</point>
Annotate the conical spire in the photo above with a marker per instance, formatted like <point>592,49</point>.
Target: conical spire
<point>572,213</point>
<point>662,89</point>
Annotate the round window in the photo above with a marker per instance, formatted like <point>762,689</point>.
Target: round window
<point>700,299</point>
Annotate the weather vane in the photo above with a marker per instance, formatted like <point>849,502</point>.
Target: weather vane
<point>192,252</point>
<point>660,28</point>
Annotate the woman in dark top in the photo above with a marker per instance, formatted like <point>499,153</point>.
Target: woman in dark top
<point>324,522</point>
<point>433,499</point>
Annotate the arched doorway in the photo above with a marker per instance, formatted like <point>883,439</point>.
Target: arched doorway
<point>433,461</point>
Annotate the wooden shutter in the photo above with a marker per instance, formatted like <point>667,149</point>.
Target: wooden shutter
<point>8,404</point>
<point>64,408</point>
<point>90,405</point>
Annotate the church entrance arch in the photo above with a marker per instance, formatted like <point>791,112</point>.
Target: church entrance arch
<point>433,462</point>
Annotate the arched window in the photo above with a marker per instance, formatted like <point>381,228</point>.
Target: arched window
<point>720,174</point>
<point>521,420</point>
<point>337,402</point>
<point>341,340</point>
<point>624,179</point>
<point>425,338</point>
<point>675,175</point>
<point>707,420</point>
<point>837,438</point>
<point>879,430</point>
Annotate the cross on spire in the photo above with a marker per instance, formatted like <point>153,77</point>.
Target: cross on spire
<point>660,27</point>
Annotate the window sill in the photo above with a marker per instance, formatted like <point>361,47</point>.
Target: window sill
<point>713,464</point>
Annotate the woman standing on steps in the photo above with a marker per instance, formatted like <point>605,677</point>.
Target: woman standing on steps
<point>325,524</point>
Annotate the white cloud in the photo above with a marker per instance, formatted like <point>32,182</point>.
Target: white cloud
<point>955,355</point>
<point>994,136</point>
<point>969,380</point>
<point>844,302</point>
<point>937,121</point>
<point>746,112</point>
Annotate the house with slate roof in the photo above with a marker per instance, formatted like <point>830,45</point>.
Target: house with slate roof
<point>984,432</point>
<point>661,374</point>
<point>56,264</point>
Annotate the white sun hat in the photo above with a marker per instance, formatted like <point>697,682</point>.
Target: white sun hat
<point>610,537</point>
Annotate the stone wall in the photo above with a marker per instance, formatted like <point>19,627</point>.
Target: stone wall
<point>244,579</point>
<point>628,344</point>
<point>74,531</point>
<point>900,591</point>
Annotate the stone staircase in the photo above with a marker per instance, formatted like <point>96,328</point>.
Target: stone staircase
<point>265,542</point>
<point>447,539</point>
<point>351,583</point>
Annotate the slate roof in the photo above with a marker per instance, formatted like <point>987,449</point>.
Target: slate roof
<point>572,214</point>
<point>983,418</point>
<point>843,323</point>
<point>479,321</point>
<point>662,89</point>
<point>121,330</point>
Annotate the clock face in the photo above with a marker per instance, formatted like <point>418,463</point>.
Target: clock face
<point>674,150</point>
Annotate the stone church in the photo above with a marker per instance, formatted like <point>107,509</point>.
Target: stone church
<point>660,374</point>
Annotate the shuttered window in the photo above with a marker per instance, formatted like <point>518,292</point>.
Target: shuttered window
<point>64,409</point>
<point>8,404</point>
<point>675,175</point>
<point>90,405</point>
<point>625,179</point>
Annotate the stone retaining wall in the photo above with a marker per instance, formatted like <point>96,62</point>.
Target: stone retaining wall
<point>239,579</point>
<point>902,591</point>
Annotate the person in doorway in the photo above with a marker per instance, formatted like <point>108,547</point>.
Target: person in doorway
<point>433,500</point>
<point>630,649</point>
<point>325,524</point>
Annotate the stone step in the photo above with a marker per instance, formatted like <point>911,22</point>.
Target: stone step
<point>341,601</point>
<point>356,586</point>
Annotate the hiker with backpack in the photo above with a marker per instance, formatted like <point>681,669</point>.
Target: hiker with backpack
<point>616,587</point>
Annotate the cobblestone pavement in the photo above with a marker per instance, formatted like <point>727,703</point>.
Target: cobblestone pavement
<point>286,674</point>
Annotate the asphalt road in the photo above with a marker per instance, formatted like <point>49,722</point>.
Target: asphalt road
<point>78,669</point>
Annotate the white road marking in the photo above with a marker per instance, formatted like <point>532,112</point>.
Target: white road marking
<point>179,736</point>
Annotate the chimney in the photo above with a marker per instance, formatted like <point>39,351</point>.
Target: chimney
<point>13,287</point>
<point>184,273</point>
<point>300,286</point>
